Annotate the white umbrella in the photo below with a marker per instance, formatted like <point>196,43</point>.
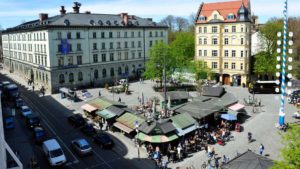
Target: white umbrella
<point>153,106</point>
<point>169,102</point>
<point>142,98</point>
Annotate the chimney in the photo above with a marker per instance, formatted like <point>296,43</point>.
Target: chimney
<point>124,17</point>
<point>43,16</point>
<point>62,10</point>
<point>76,7</point>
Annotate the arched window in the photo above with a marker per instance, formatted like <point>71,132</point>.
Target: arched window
<point>119,70</point>
<point>61,78</point>
<point>80,78</point>
<point>104,73</point>
<point>96,74</point>
<point>126,69</point>
<point>71,77</point>
<point>112,72</point>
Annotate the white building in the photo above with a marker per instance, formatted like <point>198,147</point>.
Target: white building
<point>101,48</point>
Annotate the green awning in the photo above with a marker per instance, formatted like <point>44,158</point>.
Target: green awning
<point>156,138</point>
<point>129,120</point>
<point>183,120</point>
<point>106,114</point>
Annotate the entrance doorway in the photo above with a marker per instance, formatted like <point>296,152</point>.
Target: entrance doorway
<point>226,79</point>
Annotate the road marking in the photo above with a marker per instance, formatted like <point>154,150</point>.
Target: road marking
<point>104,162</point>
<point>52,130</point>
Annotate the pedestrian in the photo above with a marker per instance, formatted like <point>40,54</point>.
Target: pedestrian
<point>225,160</point>
<point>28,82</point>
<point>261,149</point>
<point>100,124</point>
<point>179,149</point>
<point>33,88</point>
<point>119,99</point>
<point>216,163</point>
<point>99,93</point>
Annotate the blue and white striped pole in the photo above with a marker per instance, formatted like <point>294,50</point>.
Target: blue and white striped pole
<point>281,112</point>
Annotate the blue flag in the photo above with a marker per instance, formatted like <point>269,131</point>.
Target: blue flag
<point>65,47</point>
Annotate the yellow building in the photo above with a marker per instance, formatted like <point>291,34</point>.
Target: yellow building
<point>223,39</point>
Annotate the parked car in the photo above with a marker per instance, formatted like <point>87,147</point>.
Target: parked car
<point>39,135</point>
<point>19,103</point>
<point>54,152</point>
<point>89,129</point>
<point>32,121</point>
<point>77,120</point>
<point>103,140</point>
<point>294,97</point>
<point>81,147</point>
<point>25,111</point>
<point>86,95</point>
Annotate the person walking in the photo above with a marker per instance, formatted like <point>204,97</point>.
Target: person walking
<point>33,88</point>
<point>100,124</point>
<point>261,149</point>
<point>179,149</point>
<point>119,99</point>
<point>99,93</point>
<point>216,163</point>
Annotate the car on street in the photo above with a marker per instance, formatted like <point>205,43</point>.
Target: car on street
<point>76,120</point>
<point>88,129</point>
<point>86,95</point>
<point>103,140</point>
<point>19,102</point>
<point>39,135</point>
<point>54,152</point>
<point>81,147</point>
<point>32,121</point>
<point>294,97</point>
<point>25,111</point>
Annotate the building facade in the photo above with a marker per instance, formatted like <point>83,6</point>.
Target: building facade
<point>80,49</point>
<point>223,39</point>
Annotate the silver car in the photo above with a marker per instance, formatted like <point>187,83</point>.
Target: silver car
<point>81,147</point>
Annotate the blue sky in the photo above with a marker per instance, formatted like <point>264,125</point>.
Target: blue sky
<point>13,12</point>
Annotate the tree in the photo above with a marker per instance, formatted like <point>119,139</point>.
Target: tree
<point>183,49</point>
<point>291,150</point>
<point>181,23</point>
<point>200,69</point>
<point>154,66</point>
<point>169,21</point>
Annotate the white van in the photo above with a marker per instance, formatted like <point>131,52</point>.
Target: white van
<point>54,152</point>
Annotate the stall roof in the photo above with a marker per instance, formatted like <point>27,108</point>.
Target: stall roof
<point>158,127</point>
<point>177,95</point>
<point>182,132</point>
<point>115,110</point>
<point>102,103</point>
<point>183,120</point>
<point>216,91</point>
<point>249,160</point>
<point>129,120</point>
<point>105,114</point>
<point>123,127</point>
<point>88,107</point>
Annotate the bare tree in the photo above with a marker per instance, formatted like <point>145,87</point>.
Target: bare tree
<point>1,50</point>
<point>169,21</point>
<point>181,23</point>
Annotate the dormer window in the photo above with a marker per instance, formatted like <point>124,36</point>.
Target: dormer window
<point>92,22</point>
<point>215,16</point>
<point>202,18</point>
<point>230,17</point>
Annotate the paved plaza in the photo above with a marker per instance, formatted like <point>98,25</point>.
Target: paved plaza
<point>261,124</point>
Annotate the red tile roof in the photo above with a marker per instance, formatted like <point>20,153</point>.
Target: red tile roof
<point>224,8</point>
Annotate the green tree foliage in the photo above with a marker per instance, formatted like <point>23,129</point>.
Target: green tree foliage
<point>183,49</point>
<point>154,66</point>
<point>291,151</point>
<point>265,61</point>
<point>200,69</point>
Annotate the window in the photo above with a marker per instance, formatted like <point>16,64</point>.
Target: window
<point>118,34</point>
<point>132,34</point>
<point>230,17</point>
<point>133,55</point>
<point>58,35</point>
<point>205,30</point>
<point>242,41</point>
<point>126,69</point>
<point>70,60</point>
<point>71,77</point>
<point>132,44</point>
<point>80,77</point>
<point>200,52</point>
<point>161,34</point>
<point>246,54</point>
<point>242,66</point>
<point>205,52</point>
<point>104,73</point>
<point>111,45</point>
<point>126,45</point>
<point>103,45</point>
<point>102,34</point>
<point>156,34</point>
<point>226,29</point>
<point>225,65</point>
<point>200,41</point>
<point>94,35</point>
<point>214,53</point>
<point>214,29</point>
<point>111,57</point>
<point>126,55</point>
<point>150,34</point>
<point>242,29</point>
<point>233,28</point>
<point>77,35</point>
<point>61,78</point>
<point>200,29</point>
<point>78,47</point>
<point>139,44</point>
<point>215,16</point>
<point>79,60</point>
<point>204,41</point>
<point>140,54</point>
<point>232,65</point>
<point>119,55</point>
<point>226,53</point>
<point>110,35</point>
<point>246,66</point>
<point>112,72</point>
<point>59,48</point>
<point>242,54</point>
<point>202,18</point>
<point>215,41</point>
<point>103,56</point>
<point>94,46</point>
<point>60,61</point>
<point>125,34</point>
<point>214,65</point>
<point>69,35</point>
<point>233,53</point>
<point>139,34</point>
<point>226,41</point>
<point>95,58</point>
<point>96,74</point>
<point>150,43</point>
<point>119,70</point>
<point>119,45</point>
